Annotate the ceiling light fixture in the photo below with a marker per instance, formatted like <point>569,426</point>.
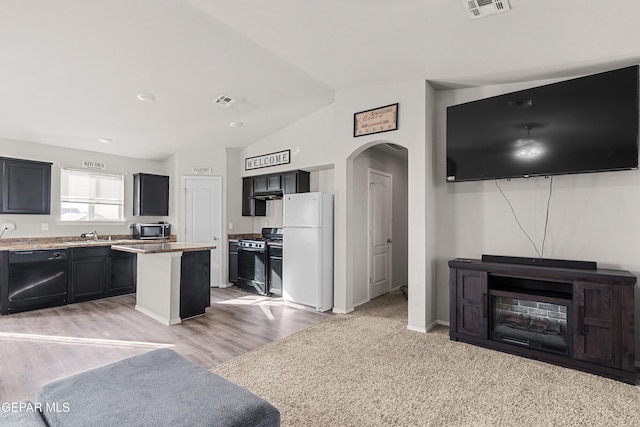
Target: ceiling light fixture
<point>146,97</point>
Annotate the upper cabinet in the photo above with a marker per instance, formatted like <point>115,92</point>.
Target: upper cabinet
<point>256,190</point>
<point>295,182</point>
<point>150,194</point>
<point>25,187</point>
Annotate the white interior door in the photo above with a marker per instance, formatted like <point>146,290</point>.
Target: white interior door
<point>203,217</point>
<point>380,198</point>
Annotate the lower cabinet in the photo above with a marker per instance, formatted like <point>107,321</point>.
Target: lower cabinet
<point>121,273</point>
<point>195,283</point>
<point>233,262</point>
<point>100,272</point>
<point>275,270</point>
<point>577,318</point>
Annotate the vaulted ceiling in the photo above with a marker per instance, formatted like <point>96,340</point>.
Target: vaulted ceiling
<point>71,70</point>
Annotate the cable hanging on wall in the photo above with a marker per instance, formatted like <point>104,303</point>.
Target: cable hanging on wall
<point>546,220</point>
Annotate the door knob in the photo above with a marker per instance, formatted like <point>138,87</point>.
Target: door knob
<point>389,240</point>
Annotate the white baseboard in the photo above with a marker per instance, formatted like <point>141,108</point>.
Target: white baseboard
<point>443,323</point>
<point>341,311</point>
<point>416,329</point>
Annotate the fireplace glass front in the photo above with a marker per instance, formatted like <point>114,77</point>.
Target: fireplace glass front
<point>530,323</point>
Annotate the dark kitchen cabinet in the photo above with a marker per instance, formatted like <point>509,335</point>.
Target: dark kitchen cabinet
<point>195,273</point>
<point>598,335</point>
<point>99,272</point>
<point>275,270</point>
<point>121,273</point>
<point>25,187</point>
<point>295,182</point>
<point>233,262</point>
<point>88,273</point>
<point>150,195</point>
<point>251,206</point>
<point>275,184</point>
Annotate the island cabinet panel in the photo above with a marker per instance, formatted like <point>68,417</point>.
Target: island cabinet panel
<point>195,283</point>
<point>577,317</point>
<point>25,187</point>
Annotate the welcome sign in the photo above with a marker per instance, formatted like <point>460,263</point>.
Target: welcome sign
<point>268,160</point>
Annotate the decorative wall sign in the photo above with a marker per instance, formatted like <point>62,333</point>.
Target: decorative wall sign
<point>383,119</point>
<point>201,170</point>
<point>87,164</point>
<point>268,160</point>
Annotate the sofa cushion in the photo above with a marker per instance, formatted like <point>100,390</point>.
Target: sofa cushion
<point>158,388</point>
<point>20,414</point>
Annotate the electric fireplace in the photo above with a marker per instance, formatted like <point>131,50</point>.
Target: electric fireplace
<point>526,322</point>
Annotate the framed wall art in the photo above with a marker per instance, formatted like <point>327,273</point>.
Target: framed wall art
<point>382,119</point>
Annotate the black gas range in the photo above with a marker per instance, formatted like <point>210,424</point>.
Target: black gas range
<point>253,262</point>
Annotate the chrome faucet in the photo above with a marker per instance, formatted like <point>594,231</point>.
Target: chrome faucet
<point>93,234</point>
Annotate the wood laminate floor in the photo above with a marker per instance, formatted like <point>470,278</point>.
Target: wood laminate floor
<point>40,346</point>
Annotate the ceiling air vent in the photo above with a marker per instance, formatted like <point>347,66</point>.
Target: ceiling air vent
<point>481,8</point>
<point>225,100</point>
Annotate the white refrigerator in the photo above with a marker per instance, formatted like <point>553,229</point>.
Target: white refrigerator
<point>307,258</point>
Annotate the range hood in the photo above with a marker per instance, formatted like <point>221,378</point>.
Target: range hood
<point>267,195</point>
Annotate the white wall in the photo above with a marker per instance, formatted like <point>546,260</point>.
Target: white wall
<point>593,217</point>
<point>326,138</point>
<point>31,225</point>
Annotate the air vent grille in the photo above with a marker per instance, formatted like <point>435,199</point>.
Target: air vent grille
<point>225,100</point>
<point>481,8</point>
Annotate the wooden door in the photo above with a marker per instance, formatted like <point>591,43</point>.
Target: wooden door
<point>596,311</point>
<point>203,218</point>
<point>471,301</point>
<point>380,201</point>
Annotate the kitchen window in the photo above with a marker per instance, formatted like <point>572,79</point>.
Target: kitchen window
<point>91,196</point>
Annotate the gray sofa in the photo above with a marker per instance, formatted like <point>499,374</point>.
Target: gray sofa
<point>158,388</point>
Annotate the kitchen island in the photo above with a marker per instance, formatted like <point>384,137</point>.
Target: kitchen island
<point>172,279</point>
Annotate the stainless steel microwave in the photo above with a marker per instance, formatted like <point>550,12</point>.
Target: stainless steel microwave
<point>151,231</point>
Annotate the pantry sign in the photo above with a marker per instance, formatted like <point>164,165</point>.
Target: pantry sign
<point>268,160</point>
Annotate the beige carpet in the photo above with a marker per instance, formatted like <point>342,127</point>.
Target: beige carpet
<point>366,369</point>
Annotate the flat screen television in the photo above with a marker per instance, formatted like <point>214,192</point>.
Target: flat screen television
<point>587,124</point>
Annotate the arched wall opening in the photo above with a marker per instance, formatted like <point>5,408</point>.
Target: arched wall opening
<point>390,158</point>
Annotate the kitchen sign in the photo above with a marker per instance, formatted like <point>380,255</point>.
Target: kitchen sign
<point>268,160</point>
<point>86,164</point>
<point>202,170</point>
<point>383,119</point>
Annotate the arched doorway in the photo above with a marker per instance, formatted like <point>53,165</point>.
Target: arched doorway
<point>378,196</point>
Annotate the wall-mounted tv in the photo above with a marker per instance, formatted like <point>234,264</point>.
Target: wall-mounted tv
<point>587,124</point>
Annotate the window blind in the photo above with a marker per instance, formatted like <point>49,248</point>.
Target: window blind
<point>79,186</point>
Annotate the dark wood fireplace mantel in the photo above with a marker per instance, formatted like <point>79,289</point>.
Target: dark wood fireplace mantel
<point>594,311</point>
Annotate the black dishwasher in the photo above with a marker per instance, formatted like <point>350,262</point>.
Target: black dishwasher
<point>35,279</point>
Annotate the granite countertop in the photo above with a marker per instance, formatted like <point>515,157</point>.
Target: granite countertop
<point>156,248</point>
<point>236,237</point>
<point>66,242</point>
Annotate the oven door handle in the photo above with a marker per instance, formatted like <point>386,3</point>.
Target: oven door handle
<point>259,250</point>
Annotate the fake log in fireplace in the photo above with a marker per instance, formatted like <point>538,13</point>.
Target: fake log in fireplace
<point>530,323</point>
